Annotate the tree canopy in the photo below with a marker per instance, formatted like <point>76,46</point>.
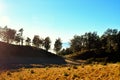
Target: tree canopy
<point>46,43</point>
<point>109,42</point>
<point>57,45</point>
<point>7,34</point>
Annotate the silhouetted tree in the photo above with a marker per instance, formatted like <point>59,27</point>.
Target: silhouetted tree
<point>118,41</point>
<point>7,34</point>
<point>91,41</point>
<point>87,41</point>
<point>10,35</point>
<point>36,41</point>
<point>21,35</point>
<point>17,39</point>
<point>76,43</point>
<point>28,41</point>
<point>21,31</point>
<point>47,42</point>
<point>103,40</point>
<point>57,45</point>
<point>110,35</point>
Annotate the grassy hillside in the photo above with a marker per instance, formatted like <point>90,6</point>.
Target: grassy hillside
<point>81,72</point>
<point>26,54</point>
<point>30,63</point>
<point>94,55</point>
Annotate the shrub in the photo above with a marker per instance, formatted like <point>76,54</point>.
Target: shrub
<point>46,68</point>
<point>68,68</point>
<point>32,71</point>
<point>82,65</point>
<point>74,67</point>
<point>9,73</point>
<point>104,63</point>
<point>74,76</point>
<point>66,74</point>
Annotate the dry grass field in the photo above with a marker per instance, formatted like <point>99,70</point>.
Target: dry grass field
<point>70,72</point>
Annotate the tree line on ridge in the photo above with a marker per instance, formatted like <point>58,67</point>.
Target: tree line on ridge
<point>12,36</point>
<point>109,41</point>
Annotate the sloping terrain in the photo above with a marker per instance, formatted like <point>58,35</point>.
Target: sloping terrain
<point>16,54</point>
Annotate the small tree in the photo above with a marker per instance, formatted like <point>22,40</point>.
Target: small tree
<point>36,41</point>
<point>17,39</point>
<point>21,31</point>
<point>57,45</point>
<point>47,42</point>
<point>21,34</point>
<point>28,41</point>
<point>112,40</point>
<point>7,34</point>
<point>76,43</point>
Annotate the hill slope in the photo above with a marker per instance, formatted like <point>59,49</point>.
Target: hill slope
<point>15,54</point>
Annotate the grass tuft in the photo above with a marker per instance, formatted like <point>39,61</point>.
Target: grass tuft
<point>74,67</point>
<point>74,76</point>
<point>68,68</point>
<point>32,71</point>
<point>66,74</point>
<point>9,73</point>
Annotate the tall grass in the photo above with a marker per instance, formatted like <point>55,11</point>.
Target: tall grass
<point>88,72</point>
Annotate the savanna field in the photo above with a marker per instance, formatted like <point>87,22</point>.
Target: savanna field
<point>108,71</point>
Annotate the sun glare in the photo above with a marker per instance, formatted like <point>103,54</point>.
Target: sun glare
<point>4,20</point>
<point>2,6</point>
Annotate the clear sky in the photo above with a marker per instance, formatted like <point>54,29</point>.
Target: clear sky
<point>60,18</point>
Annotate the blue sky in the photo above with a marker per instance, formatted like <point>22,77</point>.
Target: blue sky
<point>60,18</point>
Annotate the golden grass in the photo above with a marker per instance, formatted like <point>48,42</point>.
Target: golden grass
<point>84,72</point>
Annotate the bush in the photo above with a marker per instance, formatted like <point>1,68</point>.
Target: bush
<point>68,68</point>
<point>74,67</point>
<point>66,74</point>
<point>32,71</point>
<point>9,73</point>
<point>74,76</point>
